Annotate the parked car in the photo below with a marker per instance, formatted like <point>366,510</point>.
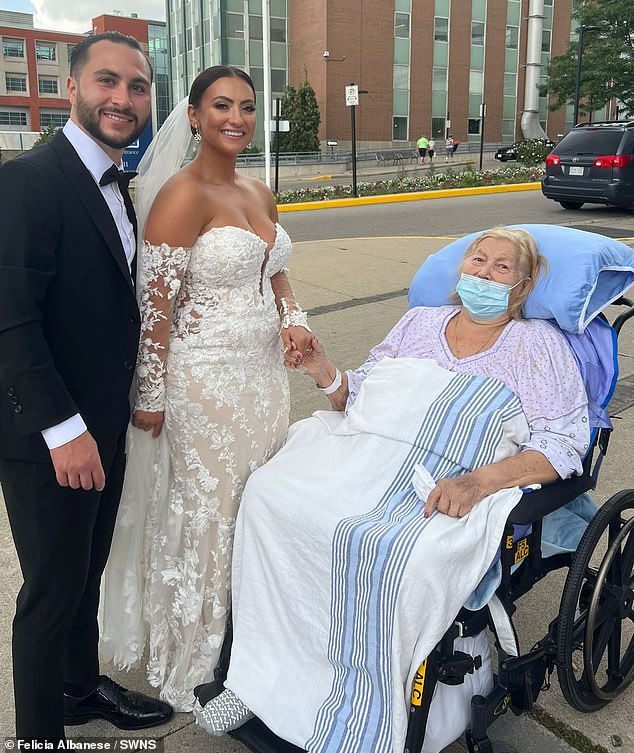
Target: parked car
<point>592,164</point>
<point>506,153</point>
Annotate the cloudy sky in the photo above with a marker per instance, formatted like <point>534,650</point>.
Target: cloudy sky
<point>62,15</point>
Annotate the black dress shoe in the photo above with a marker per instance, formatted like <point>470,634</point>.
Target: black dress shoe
<point>124,708</point>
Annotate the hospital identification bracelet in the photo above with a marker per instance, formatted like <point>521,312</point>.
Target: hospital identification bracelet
<point>336,383</point>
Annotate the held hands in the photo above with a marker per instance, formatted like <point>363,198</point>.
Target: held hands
<point>313,362</point>
<point>78,465</point>
<point>147,421</point>
<point>296,340</point>
<point>455,496</point>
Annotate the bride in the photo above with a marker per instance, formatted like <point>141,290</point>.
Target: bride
<point>212,393</point>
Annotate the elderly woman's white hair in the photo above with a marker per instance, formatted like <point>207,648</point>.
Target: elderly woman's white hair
<point>531,263</point>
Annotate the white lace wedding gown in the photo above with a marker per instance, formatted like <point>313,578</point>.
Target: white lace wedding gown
<point>224,390</point>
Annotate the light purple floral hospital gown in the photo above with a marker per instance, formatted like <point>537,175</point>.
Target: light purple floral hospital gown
<point>531,357</point>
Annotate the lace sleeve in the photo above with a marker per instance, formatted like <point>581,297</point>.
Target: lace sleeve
<point>163,269</point>
<point>291,314</point>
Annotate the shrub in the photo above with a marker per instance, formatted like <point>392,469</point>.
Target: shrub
<point>532,152</point>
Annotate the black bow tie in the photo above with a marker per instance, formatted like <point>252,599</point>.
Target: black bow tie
<point>113,173</point>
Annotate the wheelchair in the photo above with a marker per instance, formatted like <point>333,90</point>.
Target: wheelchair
<point>590,642</point>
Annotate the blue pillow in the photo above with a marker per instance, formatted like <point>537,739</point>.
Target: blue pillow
<point>587,272</point>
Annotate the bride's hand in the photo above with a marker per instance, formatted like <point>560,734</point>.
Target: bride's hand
<point>314,363</point>
<point>296,338</point>
<point>148,421</point>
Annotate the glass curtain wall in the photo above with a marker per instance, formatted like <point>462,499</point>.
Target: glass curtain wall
<point>401,70</point>
<point>440,72</point>
<point>476,67</point>
<point>158,54</point>
<point>546,47</point>
<point>511,61</point>
<point>227,32</point>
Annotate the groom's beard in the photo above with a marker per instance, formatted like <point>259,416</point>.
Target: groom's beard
<point>89,119</point>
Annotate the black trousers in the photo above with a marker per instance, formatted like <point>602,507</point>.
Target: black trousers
<point>62,537</point>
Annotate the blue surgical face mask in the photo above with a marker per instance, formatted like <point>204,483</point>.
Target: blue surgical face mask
<point>484,299</point>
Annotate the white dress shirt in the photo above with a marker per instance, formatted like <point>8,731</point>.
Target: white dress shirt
<point>96,162</point>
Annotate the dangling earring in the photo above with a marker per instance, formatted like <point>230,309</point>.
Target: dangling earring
<point>197,135</point>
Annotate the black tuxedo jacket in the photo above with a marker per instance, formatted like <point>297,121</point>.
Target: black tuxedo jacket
<point>69,322</point>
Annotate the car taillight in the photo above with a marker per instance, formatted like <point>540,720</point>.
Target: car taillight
<point>621,160</point>
<point>552,159</point>
<point>614,160</point>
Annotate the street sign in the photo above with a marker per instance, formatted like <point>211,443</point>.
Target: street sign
<point>332,142</point>
<point>284,126</point>
<point>352,95</point>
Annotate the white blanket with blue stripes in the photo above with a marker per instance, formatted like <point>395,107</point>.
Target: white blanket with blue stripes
<point>340,586</point>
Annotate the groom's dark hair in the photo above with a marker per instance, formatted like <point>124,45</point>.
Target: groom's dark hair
<point>79,53</point>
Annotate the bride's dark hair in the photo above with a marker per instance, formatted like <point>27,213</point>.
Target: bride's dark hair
<point>204,80</point>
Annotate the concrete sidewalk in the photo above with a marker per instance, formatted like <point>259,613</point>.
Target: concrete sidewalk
<point>355,291</point>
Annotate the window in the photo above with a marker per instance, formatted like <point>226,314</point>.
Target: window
<point>508,128</point>
<point>257,76</point>
<point>57,119</point>
<point>439,80</point>
<point>438,128</point>
<point>255,27</point>
<point>510,84</point>
<point>401,25</point>
<point>546,40</point>
<point>16,82</point>
<point>46,51</point>
<point>441,29</point>
<point>278,30</point>
<point>473,126</point>
<point>399,129</point>
<point>477,33</point>
<point>234,25</point>
<point>13,118</point>
<point>475,82</point>
<point>47,85</point>
<point>12,48</point>
<point>401,77</point>
<point>512,33</point>
<point>278,80</point>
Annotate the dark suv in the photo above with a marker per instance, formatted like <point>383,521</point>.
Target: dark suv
<point>593,164</point>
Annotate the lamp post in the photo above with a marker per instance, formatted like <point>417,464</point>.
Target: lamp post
<point>582,31</point>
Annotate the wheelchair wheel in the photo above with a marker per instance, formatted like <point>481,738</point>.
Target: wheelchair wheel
<point>595,638</point>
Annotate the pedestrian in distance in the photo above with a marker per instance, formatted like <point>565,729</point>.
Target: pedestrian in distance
<point>69,330</point>
<point>421,145</point>
<point>449,150</point>
<point>431,150</point>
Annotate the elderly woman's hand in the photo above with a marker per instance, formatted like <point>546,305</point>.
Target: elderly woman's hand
<point>455,496</point>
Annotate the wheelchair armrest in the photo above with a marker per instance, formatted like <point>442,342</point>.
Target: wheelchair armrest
<point>536,505</point>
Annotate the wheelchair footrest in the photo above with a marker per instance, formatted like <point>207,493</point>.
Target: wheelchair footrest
<point>525,676</point>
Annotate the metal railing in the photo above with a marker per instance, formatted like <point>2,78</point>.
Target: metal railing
<point>398,155</point>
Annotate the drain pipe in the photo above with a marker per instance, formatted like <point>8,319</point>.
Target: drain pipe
<point>530,125</point>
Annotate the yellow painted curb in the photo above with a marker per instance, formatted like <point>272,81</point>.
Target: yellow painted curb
<point>447,193</point>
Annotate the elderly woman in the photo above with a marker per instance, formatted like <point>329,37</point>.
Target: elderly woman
<point>359,542</point>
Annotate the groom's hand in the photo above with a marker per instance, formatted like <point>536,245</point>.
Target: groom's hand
<point>78,465</point>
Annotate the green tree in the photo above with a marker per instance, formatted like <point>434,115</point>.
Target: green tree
<point>299,107</point>
<point>608,59</point>
<point>46,135</point>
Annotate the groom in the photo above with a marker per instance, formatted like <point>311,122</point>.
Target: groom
<point>69,328</point>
